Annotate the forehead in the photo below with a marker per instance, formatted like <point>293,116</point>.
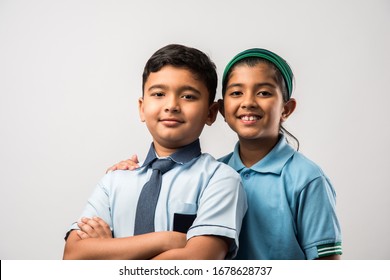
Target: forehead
<point>259,72</point>
<point>170,76</point>
<point>173,75</point>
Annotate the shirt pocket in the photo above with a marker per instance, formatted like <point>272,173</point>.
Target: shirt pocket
<point>184,214</point>
<point>183,222</point>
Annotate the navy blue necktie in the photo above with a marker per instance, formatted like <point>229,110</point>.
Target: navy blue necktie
<point>147,201</point>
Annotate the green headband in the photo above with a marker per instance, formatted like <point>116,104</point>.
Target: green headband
<point>279,62</point>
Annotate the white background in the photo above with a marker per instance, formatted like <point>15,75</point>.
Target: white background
<point>70,77</point>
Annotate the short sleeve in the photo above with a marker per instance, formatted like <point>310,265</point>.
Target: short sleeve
<point>222,206</point>
<point>98,204</point>
<point>317,223</point>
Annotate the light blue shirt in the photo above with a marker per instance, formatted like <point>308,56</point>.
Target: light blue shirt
<point>291,207</point>
<point>204,193</point>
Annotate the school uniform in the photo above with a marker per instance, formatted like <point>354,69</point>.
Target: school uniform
<point>198,197</point>
<point>291,207</point>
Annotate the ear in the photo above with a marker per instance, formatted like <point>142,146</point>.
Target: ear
<point>288,109</point>
<point>212,115</point>
<point>221,107</point>
<point>141,109</point>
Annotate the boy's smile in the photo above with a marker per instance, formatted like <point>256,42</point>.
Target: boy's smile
<point>171,122</point>
<point>175,108</point>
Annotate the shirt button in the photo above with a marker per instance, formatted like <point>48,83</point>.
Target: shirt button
<point>246,176</point>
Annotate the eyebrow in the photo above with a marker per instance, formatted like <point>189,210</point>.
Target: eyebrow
<point>257,85</point>
<point>181,89</point>
<point>158,86</point>
<point>190,88</point>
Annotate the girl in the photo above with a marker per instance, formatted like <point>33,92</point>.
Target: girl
<point>291,202</point>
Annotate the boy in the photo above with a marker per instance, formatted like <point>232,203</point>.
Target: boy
<point>199,196</point>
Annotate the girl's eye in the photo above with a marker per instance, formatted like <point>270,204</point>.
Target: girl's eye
<point>264,93</point>
<point>235,93</point>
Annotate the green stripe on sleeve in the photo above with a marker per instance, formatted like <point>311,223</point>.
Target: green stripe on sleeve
<point>329,249</point>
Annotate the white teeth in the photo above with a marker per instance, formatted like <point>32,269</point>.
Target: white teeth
<point>249,118</point>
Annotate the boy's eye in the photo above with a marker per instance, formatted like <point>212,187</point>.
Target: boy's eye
<point>188,96</point>
<point>157,94</point>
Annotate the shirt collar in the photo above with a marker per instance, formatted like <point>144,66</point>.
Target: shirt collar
<point>181,156</point>
<point>273,162</point>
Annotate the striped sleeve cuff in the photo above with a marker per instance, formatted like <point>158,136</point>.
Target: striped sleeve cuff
<point>325,250</point>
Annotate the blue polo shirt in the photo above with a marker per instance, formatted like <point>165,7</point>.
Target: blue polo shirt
<point>291,207</point>
<point>200,197</point>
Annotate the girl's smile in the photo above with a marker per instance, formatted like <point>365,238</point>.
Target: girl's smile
<point>253,103</point>
<point>249,119</point>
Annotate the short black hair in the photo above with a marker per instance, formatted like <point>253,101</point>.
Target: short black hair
<point>187,58</point>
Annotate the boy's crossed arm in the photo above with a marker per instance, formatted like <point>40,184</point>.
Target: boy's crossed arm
<point>204,247</point>
<point>94,241</point>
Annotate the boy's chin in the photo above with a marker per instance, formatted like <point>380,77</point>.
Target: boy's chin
<point>174,143</point>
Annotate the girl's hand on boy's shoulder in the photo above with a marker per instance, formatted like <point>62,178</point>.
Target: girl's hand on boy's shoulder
<point>129,164</point>
<point>93,228</point>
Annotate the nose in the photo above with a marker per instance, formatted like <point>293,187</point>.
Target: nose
<point>172,105</point>
<point>249,101</point>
